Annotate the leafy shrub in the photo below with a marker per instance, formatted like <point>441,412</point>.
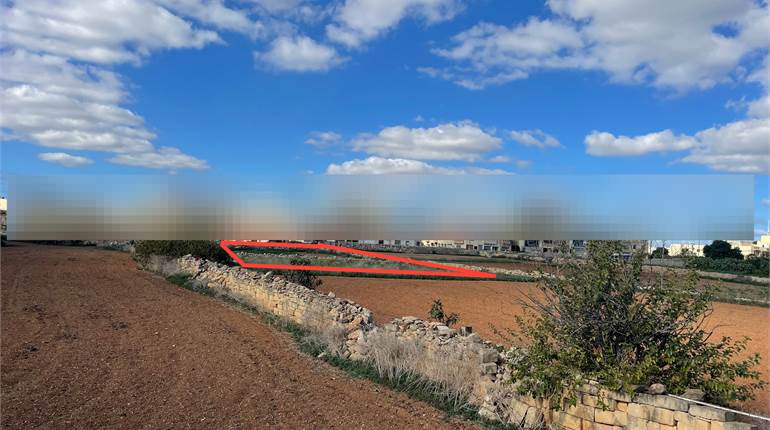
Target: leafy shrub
<point>752,266</point>
<point>659,252</point>
<point>721,249</point>
<point>437,314</point>
<point>205,249</point>
<point>301,277</point>
<point>601,322</point>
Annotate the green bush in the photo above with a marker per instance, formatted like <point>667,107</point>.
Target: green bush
<point>205,249</point>
<point>601,322</point>
<point>752,266</point>
<point>301,277</point>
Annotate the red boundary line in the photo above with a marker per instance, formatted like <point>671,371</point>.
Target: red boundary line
<point>447,270</point>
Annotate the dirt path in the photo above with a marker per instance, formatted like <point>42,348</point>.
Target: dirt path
<point>484,303</point>
<point>88,341</point>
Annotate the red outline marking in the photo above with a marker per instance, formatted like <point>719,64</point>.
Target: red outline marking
<point>448,270</point>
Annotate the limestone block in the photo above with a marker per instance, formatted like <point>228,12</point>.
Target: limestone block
<point>662,401</point>
<point>621,418</point>
<point>731,425</point>
<point>568,421</point>
<point>604,417</point>
<point>581,411</point>
<point>636,423</point>
<point>709,413</point>
<point>663,416</point>
<point>621,406</point>
<point>638,410</point>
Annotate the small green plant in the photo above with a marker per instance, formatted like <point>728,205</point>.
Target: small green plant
<point>302,277</point>
<point>437,314</point>
<point>206,249</point>
<point>602,322</point>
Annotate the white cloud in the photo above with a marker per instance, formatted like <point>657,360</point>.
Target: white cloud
<point>500,159</point>
<point>299,54</point>
<point>536,138</point>
<point>451,141</point>
<point>57,90</point>
<point>740,146</point>
<point>666,45</point>
<point>98,32</point>
<point>323,139</point>
<point>217,14</point>
<point>164,158</point>
<point>53,103</point>
<point>604,144</point>
<point>65,159</point>
<point>400,166</point>
<point>358,21</point>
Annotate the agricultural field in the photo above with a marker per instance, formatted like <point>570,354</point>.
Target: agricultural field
<point>491,308</point>
<point>91,341</point>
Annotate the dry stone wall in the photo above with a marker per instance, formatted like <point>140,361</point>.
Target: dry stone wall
<point>442,352</point>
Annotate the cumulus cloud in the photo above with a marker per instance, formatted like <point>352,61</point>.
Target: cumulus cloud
<point>358,21</point>
<point>669,46</point>
<point>400,166</point>
<point>740,146</point>
<point>64,159</point>
<point>98,32</point>
<point>299,54</point>
<point>57,88</point>
<point>164,158</point>
<point>604,144</point>
<point>450,141</point>
<point>536,138</point>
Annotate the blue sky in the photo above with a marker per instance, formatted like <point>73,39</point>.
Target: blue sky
<point>293,87</point>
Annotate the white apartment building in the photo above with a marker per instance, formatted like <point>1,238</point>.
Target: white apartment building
<point>685,249</point>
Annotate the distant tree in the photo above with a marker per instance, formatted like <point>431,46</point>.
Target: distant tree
<point>720,249</point>
<point>659,252</point>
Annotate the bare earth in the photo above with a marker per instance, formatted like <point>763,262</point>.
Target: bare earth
<point>484,303</point>
<point>88,341</point>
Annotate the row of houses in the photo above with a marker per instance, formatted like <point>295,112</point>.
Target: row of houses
<point>533,247</point>
<point>757,248</point>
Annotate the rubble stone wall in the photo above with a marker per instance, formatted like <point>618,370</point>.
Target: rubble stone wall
<point>442,348</point>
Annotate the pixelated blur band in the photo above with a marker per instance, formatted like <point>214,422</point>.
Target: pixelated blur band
<point>655,207</point>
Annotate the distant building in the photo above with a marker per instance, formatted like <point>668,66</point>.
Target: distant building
<point>685,250</point>
<point>437,243</point>
<point>3,216</point>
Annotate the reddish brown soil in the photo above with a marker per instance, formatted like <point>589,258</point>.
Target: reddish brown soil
<point>88,341</point>
<point>484,303</point>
